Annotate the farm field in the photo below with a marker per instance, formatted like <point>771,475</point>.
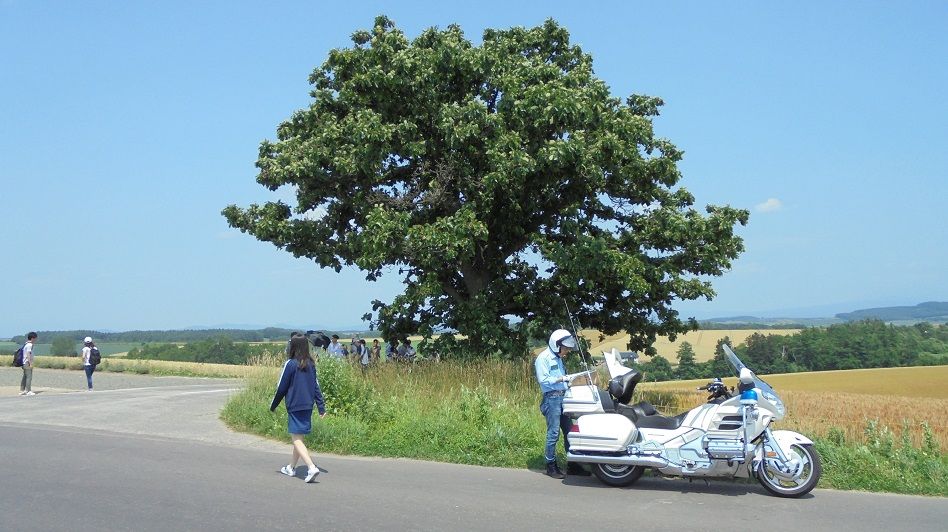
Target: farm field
<point>848,400</point>
<point>703,341</point>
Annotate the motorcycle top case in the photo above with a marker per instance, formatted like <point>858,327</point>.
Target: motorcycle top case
<point>602,432</point>
<point>581,400</point>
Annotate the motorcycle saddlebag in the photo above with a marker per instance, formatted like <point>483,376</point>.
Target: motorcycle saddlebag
<point>602,432</point>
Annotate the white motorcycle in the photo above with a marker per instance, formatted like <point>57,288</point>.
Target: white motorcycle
<point>729,436</point>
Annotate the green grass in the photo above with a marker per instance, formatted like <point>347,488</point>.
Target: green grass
<point>462,424</point>
<point>884,462</point>
<point>486,413</point>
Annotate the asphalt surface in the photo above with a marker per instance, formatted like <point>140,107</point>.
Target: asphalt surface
<point>148,453</point>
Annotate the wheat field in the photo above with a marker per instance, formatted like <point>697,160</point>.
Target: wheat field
<point>848,400</point>
<point>703,341</point>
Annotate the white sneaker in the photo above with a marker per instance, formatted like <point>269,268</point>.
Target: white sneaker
<point>22,393</point>
<point>29,393</point>
<point>312,474</point>
<point>288,471</point>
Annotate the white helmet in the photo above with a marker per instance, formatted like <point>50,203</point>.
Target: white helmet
<point>561,337</point>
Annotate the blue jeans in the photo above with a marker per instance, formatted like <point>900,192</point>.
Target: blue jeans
<point>90,369</point>
<point>552,409</point>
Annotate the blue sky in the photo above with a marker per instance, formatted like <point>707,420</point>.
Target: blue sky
<point>127,126</point>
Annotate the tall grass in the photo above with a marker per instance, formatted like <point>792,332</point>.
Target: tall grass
<point>445,412</point>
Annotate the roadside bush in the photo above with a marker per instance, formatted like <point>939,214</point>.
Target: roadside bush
<point>344,389</point>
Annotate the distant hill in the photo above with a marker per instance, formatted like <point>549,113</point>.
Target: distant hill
<point>934,311</point>
<point>754,322</point>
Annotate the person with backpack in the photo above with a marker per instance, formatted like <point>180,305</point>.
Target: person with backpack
<point>90,359</point>
<point>26,360</point>
<point>299,390</point>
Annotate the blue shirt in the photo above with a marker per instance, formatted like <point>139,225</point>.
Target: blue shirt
<point>335,349</point>
<point>550,368</point>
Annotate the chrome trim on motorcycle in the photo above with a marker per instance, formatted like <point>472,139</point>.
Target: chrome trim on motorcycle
<point>645,461</point>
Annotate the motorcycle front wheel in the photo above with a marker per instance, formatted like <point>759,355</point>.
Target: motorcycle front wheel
<point>810,472</point>
<point>617,475</point>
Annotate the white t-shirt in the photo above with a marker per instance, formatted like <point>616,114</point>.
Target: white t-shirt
<point>86,353</point>
<point>28,354</point>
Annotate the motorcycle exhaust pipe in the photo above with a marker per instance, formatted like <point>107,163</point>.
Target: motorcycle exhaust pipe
<point>633,460</point>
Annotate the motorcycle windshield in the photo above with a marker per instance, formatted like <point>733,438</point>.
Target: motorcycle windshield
<point>733,360</point>
<point>759,383</point>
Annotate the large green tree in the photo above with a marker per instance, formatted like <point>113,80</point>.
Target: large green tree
<point>63,346</point>
<point>500,180</point>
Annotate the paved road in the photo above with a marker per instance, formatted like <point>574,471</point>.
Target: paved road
<point>157,458</point>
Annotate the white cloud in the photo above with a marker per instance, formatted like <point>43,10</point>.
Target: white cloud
<point>771,205</point>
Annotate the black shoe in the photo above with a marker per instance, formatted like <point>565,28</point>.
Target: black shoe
<point>576,470</point>
<point>554,471</point>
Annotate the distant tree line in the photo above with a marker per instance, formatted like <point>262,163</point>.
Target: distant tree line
<point>857,345</point>
<point>239,335</point>
<point>717,326</point>
<point>219,350</point>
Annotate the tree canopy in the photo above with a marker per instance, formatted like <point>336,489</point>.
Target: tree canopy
<point>63,345</point>
<point>499,180</point>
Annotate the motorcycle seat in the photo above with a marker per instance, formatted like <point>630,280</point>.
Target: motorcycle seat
<point>644,415</point>
<point>660,422</point>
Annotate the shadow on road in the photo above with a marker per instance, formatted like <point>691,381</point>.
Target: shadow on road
<point>659,484</point>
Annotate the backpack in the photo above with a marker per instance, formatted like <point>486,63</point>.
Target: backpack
<point>94,356</point>
<point>18,358</point>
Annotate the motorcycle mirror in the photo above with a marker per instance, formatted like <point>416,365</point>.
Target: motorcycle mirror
<point>747,376</point>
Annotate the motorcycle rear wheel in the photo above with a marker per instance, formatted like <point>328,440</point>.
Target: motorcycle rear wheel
<point>809,477</point>
<point>617,475</point>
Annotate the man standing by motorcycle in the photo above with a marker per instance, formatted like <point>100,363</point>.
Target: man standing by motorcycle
<point>551,375</point>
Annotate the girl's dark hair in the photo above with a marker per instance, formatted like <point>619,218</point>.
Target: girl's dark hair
<point>299,350</point>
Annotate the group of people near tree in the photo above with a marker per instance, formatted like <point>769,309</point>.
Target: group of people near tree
<point>358,351</point>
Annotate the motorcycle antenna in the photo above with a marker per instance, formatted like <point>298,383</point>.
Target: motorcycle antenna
<point>574,323</point>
